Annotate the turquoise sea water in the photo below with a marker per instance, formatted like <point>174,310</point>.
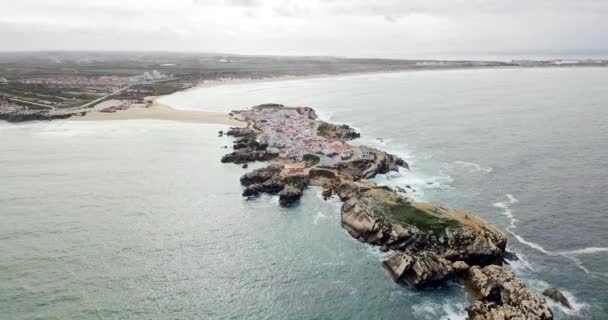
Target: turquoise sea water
<point>139,220</point>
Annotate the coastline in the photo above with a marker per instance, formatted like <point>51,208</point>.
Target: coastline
<point>158,111</point>
<point>231,81</point>
<point>427,244</point>
<point>162,111</point>
<point>166,107</point>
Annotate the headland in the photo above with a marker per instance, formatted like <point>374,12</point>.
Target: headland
<point>428,244</point>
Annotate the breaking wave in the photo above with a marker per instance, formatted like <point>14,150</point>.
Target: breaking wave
<point>571,254</point>
<point>577,306</point>
<point>320,216</point>
<point>473,167</point>
<point>446,310</point>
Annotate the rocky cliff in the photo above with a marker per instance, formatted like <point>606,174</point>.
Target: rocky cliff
<point>428,244</point>
<point>15,117</point>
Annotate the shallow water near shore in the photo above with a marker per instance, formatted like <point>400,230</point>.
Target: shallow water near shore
<point>138,219</point>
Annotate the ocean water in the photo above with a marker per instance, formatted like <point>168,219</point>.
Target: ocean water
<point>140,220</point>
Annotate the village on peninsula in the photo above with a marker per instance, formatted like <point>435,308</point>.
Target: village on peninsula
<point>428,244</point>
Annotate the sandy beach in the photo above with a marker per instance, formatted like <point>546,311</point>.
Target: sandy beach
<point>158,111</point>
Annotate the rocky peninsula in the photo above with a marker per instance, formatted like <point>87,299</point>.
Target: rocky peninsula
<point>427,243</point>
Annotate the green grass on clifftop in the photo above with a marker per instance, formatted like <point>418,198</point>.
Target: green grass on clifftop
<point>423,220</point>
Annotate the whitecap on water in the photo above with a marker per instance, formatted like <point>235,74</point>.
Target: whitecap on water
<point>471,167</point>
<point>577,306</point>
<point>320,216</point>
<point>414,182</point>
<point>375,252</point>
<point>521,265</point>
<point>572,254</point>
<point>451,309</point>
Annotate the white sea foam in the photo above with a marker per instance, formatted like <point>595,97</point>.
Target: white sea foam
<point>375,252</point>
<point>530,244</point>
<point>320,216</point>
<point>473,167</point>
<point>444,310</point>
<point>590,250</point>
<point>571,255</point>
<point>508,212</point>
<point>416,181</point>
<point>522,264</point>
<point>454,311</point>
<point>577,306</point>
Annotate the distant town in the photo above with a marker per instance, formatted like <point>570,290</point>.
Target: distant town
<point>69,93</point>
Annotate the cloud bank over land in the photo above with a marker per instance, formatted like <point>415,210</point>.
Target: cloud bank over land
<point>354,28</point>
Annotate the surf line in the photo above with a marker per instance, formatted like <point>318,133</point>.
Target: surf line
<point>571,255</point>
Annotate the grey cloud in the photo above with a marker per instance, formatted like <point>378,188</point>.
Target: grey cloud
<point>228,3</point>
<point>399,8</point>
<point>291,9</point>
<point>242,3</point>
<point>389,28</point>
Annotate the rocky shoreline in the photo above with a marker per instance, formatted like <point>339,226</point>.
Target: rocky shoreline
<point>25,116</point>
<point>428,244</point>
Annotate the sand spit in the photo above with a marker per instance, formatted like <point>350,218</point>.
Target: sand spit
<point>162,112</point>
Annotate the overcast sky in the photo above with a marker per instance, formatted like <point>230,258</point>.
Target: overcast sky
<point>353,28</point>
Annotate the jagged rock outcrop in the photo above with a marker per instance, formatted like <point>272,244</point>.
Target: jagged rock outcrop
<point>423,269</point>
<point>368,169</point>
<point>15,117</point>
<point>244,156</point>
<point>501,296</point>
<point>337,132</point>
<point>557,296</point>
<point>263,180</point>
<point>289,195</point>
<point>261,175</point>
<point>240,132</point>
<point>270,180</point>
<point>379,216</point>
<point>429,244</point>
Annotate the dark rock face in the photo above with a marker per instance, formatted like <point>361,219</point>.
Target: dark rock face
<point>269,180</point>
<point>289,195</point>
<point>15,117</point>
<point>379,216</point>
<point>337,132</point>
<point>240,132</point>
<point>423,269</point>
<point>557,296</point>
<point>261,175</point>
<point>240,157</point>
<point>247,149</point>
<point>428,244</point>
<point>367,169</point>
<point>503,297</point>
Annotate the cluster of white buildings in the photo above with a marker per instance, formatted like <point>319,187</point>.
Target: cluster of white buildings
<point>293,135</point>
<point>79,81</point>
<point>153,75</point>
<point>112,82</point>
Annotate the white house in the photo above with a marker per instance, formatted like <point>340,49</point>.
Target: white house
<point>366,153</point>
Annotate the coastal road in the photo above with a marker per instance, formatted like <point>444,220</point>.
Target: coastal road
<point>94,102</point>
<point>32,103</point>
